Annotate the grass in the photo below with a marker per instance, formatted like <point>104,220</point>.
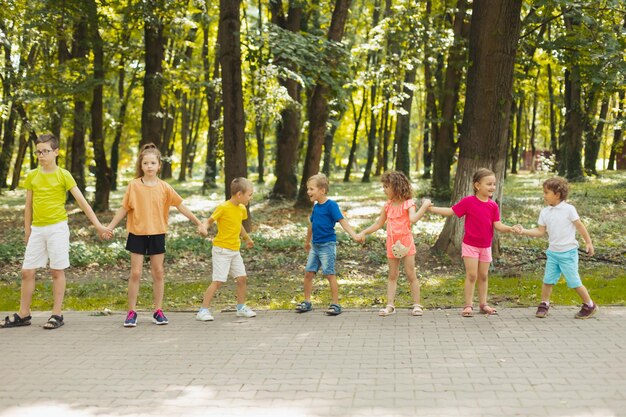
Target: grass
<point>97,279</point>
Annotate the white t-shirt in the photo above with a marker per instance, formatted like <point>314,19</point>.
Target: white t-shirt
<point>559,222</point>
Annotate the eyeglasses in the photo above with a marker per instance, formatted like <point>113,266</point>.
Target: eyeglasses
<point>44,152</point>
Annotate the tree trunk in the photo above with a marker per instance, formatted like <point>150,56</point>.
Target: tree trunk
<point>444,146</point>
<point>372,59</point>
<point>288,129</point>
<point>329,139</point>
<point>214,106</point>
<point>403,125</point>
<point>493,41</point>
<point>235,164</point>
<point>617,148</point>
<point>19,160</point>
<point>151,111</point>
<point>103,174</point>
<point>593,138</point>
<point>554,144</point>
<point>515,152</point>
<point>533,125</point>
<point>355,136</point>
<point>318,108</point>
<point>80,49</point>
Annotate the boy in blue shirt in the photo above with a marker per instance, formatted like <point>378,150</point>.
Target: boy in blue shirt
<point>321,242</point>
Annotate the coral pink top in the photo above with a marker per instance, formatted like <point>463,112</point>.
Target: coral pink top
<point>399,226</point>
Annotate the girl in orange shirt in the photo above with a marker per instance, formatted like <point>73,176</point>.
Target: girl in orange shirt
<point>399,213</point>
<point>147,201</point>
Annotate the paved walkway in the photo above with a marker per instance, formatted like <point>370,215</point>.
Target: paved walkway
<point>284,364</point>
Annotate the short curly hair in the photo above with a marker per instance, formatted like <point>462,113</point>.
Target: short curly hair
<point>558,185</point>
<point>399,184</point>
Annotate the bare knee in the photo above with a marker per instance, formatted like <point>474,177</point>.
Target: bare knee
<point>57,274</point>
<point>135,275</point>
<point>471,277</point>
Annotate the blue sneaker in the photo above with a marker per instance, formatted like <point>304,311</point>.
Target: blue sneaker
<point>159,318</point>
<point>131,319</point>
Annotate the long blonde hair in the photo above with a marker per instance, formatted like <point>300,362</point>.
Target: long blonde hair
<point>147,149</point>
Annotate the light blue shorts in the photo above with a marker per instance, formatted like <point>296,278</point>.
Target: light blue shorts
<point>322,255</point>
<point>565,263</point>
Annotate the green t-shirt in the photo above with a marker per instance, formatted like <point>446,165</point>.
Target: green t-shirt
<point>49,195</point>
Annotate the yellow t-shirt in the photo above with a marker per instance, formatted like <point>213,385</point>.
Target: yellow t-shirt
<point>149,207</point>
<point>228,218</point>
<point>49,194</point>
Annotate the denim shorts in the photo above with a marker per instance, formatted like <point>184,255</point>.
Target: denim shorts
<point>565,263</point>
<point>322,255</point>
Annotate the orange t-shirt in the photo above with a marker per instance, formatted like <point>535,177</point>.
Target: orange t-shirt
<point>149,206</point>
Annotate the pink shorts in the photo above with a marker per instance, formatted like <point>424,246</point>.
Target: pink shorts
<point>483,254</point>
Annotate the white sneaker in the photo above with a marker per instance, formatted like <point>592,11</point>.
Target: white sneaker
<point>246,312</point>
<point>204,315</point>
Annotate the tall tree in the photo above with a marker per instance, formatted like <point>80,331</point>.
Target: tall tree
<point>103,173</point>
<point>288,128</point>
<point>494,33</point>
<point>235,164</point>
<point>318,108</point>
<point>154,48</point>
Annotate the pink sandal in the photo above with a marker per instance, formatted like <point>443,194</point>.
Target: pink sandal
<point>490,311</point>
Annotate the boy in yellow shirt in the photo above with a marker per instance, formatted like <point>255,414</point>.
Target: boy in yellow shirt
<point>227,259</point>
<point>46,233</point>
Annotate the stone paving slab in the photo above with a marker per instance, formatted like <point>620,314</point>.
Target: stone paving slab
<point>285,364</point>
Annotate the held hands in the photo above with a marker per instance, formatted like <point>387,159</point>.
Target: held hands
<point>426,202</point>
<point>360,237</point>
<point>518,229</point>
<point>105,233</point>
<point>202,230</point>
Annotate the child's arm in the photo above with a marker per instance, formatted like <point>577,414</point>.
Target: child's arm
<point>188,214</point>
<point>84,205</point>
<point>28,215</point>
<point>538,231</point>
<point>416,216</point>
<point>346,226</point>
<point>443,211</point>
<point>246,237</point>
<point>309,236</point>
<point>585,234</point>
<point>380,221</point>
<point>119,215</point>
<point>503,228</point>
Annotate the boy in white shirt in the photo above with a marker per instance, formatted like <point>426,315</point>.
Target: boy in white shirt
<point>560,220</point>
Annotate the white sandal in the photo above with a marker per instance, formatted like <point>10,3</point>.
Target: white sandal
<point>417,310</point>
<point>387,311</point>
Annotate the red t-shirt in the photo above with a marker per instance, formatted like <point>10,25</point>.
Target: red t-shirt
<point>479,219</point>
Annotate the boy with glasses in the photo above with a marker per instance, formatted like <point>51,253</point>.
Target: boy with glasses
<point>46,233</point>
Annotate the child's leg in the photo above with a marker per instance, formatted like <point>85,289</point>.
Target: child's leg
<point>210,293</point>
<point>58,290</point>
<point>546,292</point>
<point>392,280</point>
<point>308,285</point>
<point>158,279</point>
<point>483,283</point>
<point>584,294</point>
<point>136,265</point>
<point>28,288</point>
<point>242,285</point>
<point>411,276</point>
<point>334,288</point>
<point>471,274</point>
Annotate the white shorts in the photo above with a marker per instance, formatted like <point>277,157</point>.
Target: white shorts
<point>227,262</point>
<point>48,242</point>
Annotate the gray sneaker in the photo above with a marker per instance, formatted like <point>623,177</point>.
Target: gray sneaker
<point>246,312</point>
<point>586,311</point>
<point>204,315</point>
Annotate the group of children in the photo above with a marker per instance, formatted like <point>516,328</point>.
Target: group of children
<point>148,199</point>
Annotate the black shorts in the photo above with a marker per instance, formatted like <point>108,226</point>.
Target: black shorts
<point>146,244</point>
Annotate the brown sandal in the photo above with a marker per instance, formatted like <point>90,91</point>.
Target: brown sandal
<point>468,311</point>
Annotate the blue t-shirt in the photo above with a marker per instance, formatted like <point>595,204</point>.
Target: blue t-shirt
<point>323,220</point>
